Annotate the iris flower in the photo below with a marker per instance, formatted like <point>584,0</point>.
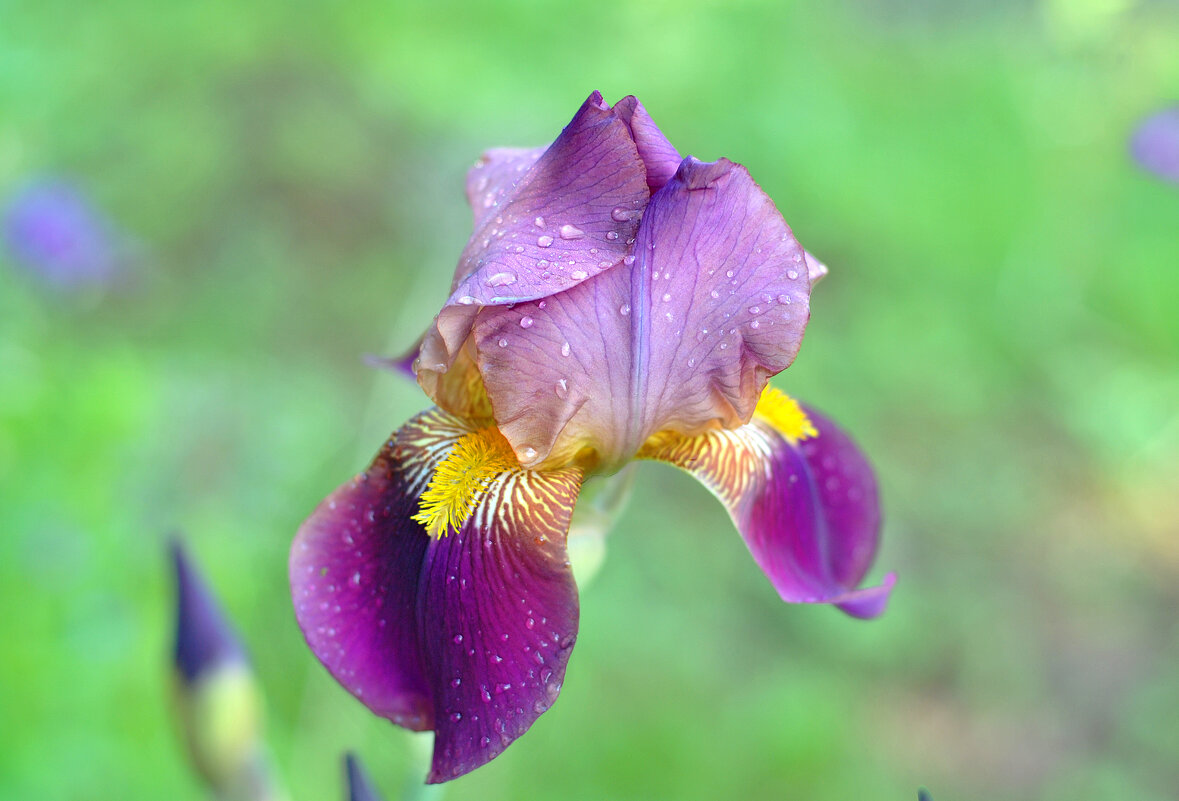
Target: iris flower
<point>616,301</point>
<point>51,229</point>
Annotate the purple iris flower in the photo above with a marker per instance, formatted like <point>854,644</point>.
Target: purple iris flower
<point>1155,144</point>
<point>54,232</point>
<point>616,301</point>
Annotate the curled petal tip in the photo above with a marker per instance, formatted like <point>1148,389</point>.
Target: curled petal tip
<point>595,99</point>
<point>816,270</point>
<point>870,602</point>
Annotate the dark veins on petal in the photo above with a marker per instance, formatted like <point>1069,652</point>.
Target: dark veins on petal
<point>469,634</point>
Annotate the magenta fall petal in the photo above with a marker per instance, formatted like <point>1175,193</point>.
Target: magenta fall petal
<point>469,634</point>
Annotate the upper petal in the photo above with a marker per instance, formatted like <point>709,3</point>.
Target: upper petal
<point>568,216</point>
<point>660,158</point>
<point>808,511</point>
<point>545,225</point>
<point>683,336</point>
<point>468,634</point>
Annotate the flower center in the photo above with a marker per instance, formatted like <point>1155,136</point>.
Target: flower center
<point>461,479</point>
<point>783,413</point>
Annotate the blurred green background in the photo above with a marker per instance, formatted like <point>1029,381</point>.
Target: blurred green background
<point>1000,330</point>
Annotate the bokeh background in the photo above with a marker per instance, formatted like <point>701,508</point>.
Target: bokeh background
<point>281,185</point>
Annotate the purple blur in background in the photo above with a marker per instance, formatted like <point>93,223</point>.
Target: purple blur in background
<point>54,232</point>
<point>1155,144</point>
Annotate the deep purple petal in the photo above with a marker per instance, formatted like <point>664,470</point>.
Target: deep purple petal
<point>659,156</point>
<point>205,640</point>
<point>1155,144</point>
<point>468,634</point>
<point>354,571</point>
<point>809,512</point>
<point>714,302</point>
<point>499,615</point>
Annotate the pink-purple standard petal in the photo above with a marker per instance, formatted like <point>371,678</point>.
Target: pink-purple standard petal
<point>567,217</point>
<point>660,158</point>
<point>713,301</point>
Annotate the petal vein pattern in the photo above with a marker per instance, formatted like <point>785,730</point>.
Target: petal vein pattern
<point>468,634</point>
<point>681,337</point>
<point>807,509</point>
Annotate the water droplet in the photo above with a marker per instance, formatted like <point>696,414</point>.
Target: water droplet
<point>571,232</point>
<point>666,297</point>
<point>624,309</point>
<point>668,316</point>
<point>519,248</point>
<point>755,309</point>
<point>578,275</point>
<point>729,273</point>
<point>628,259</point>
<point>456,716</point>
<point>526,321</point>
<point>565,349</point>
<point>701,334</point>
<point>527,454</point>
<point>714,294</point>
<point>485,741</point>
<point>458,638</point>
<point>466,300</point>
<point>620,214</point>
<point>502,279</point>
<point>544,241</point>
<point>503,343</point>
<point>530,623</point>
<point>784,300</point>
<point>538,222</point>
<point>755,324</point>
<point>562,390</point>
<point>691,362</point>
<point>543,304</point>
<point>356,578</point>
<point>724,345</point>
<point>456,681</point>
<point>612,235</point>
<point>792,274</point>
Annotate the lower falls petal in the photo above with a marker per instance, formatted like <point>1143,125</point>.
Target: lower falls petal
<point>807,508</point>
<point>467,634</point>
